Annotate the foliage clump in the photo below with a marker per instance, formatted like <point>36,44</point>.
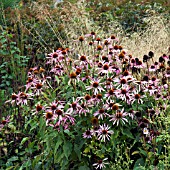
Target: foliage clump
<point>98,100</point>
<point>94,91</point>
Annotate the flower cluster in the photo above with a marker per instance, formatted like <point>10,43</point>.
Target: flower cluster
<point>100,82</point>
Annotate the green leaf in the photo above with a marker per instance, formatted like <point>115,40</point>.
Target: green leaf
<point>59,156</point>
<point>84,168</point>
<point>3,40</point>
<point>127,133</point>
<point>24,140</point>
<point>10,168</point>
<point>4,52</point>
<point>16,56</point>
<point>87,150</point>
<point>143,152</point>
<point>69,133</point>
<point>42,127</point>
<point>67,147</point>
<point>13,51</point>
<point>14,158</point>
<point>8,83</point>
<point>139,162</point>
<point>78,151</point>
<point>59,142</point>
<point>135,152</point>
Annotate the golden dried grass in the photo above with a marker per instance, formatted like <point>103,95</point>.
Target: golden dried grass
<point>73,20</point>
<point>155,38</point>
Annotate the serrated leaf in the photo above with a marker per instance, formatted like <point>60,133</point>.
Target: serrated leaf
<point>59,142</point>
<point>67,147</point>
<point>78,151</point>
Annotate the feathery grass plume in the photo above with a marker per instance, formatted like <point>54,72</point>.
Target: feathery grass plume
<point>156,38</point>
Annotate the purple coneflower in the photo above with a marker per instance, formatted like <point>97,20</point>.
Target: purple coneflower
<point>101,163</point>
<point>95,86</point>
<point>23,98</point>
<point>106,69</point>
<point>4,122</point>
<point>100,113</point>
<point>119,116</point>
<point>87,134</point>
<point>136,97</point>
<point>104,132</point>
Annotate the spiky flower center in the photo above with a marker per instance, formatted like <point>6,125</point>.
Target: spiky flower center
<point>152,67</point>
<point>83,58</point>
<point>93,33</point>
<point>104,132</point>
<point>73,75</point>
<point>116,47</point>
<point>81,38</point>
<point>101,111</point>
<point>112,37</point>
<point>149,87</point>
<point>36,71</point>
<point>125,73</point>
<point>23,96</point>
<point>73,105</point>
<point>64,52</point>
<point>106,42</point>
<point>121,56</point>
<point>146,78</point>
<point>30,80</point>
<point>106,67</point>
<point>99,96</point>
<point>88,132</point>
<point>59,112</point>
<point>123,91</point>
<point>111,104</point>
<point>39,86</point>
<point>111,91</point>
<point>98,39</point>
<point>119,115</point>
<point>99,47</point>
<point>115,107</point>
<point>57,67</point>
<point>153,78</point>
<point>4,122</point>
<point>14,97</point>
<point>100,161</point>
<point>39,108</point>
<point>100,65</point>
<point>87,97</point>
<point>137,96</point>
<point>95,84</point>
<point>123,81</point>
<point>55,55</point>
<point>53,107</point>
<point>78,71</point>
<point>94,121</point>
<point>49,115</point>
<point>90,43</point>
